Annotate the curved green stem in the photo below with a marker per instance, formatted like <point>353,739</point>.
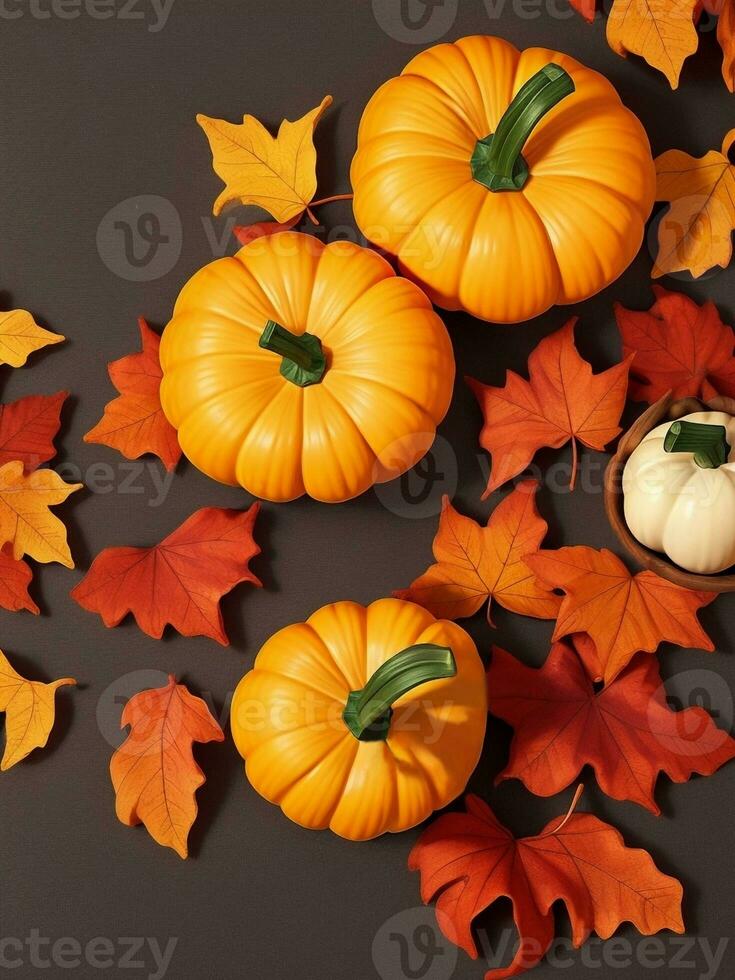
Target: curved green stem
<point>303,361</point>
<point>707,442</point>
<point>368,711</point>
<point>497,161</point>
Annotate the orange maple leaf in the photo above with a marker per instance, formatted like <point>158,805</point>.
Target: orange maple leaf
<point>695,233</point>
<point>562,400</point>
<point>470,860</point>
<point>621,613</point>
<point>478,564</point>
<point>154,772</point>
<point>627,732</point>
<point>660,31</point>
<point>677,346</point>
<point>726,38</point>
<point>179,581</point>
<point>134,423</point>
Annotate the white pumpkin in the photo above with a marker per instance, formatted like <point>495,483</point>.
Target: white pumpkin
<point>680,503</point>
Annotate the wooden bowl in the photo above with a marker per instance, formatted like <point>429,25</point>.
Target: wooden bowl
<point>665,409</point>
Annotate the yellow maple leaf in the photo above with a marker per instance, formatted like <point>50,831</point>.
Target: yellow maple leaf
<point>277,173</point>
<point>696,231</point>
<point>20,336</point>
<point>25,519</point>
<point>30,711</point>
<point>660,31</point>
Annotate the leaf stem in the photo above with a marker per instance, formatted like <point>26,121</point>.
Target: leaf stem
<point>570,811</point>
<point>330,200</point>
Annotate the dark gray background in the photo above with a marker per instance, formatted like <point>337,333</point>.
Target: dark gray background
<point>93,113</point>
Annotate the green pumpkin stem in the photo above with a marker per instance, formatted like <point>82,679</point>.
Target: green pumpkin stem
<point>497,161</point>
<point>707,442</point>
<point>303,361</point>
<point>368,712</point>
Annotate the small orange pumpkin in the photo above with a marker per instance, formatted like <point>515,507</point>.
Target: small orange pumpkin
<point>297,367</point>
<point>503,181</point>
<point>363,720</point>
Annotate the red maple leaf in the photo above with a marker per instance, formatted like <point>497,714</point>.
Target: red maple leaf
<point>677,346</point>
<point>134,423</point>
<point>28,427</point>
<point>469,860</point>
<point>587,8</point>
<point>179,581</point>
<point>626,732</point>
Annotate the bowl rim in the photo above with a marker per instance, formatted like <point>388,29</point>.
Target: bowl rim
<point>668,407</point>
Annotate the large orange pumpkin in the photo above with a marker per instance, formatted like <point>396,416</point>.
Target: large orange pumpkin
<point>364,720</point>
<point>297,367</point>
<point>503,181</point>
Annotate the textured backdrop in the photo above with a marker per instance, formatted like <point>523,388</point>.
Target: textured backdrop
<point>94,114</point>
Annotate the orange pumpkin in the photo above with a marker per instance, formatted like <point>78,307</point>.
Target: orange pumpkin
<point>503,181</point>
<point>296,367</point>
<point>363,720</point>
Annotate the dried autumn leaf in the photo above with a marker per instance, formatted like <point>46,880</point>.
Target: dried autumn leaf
<point>262,229</point>
<point>627,732</point>
<point>28,428</point>
<point>134,423</point>
<point>475,565</point>
<point>154,772</point>
<point>621,613</point>
<point>26,522</point>
<point>677,346</point>
<point>276,173</point>
<point>562,400</point>
<point>179,581</point>
<point>696,231</point>
<point>15,577</point>
<point>20,336</point>
<point>30,712</point>
<point>660,31</point>
<point>469,860</point>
